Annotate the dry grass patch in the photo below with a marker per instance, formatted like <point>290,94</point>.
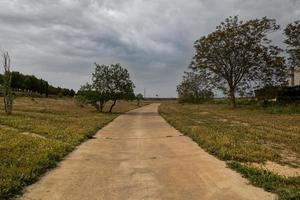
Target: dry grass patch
<point>283,170</point>
<point>242,135</point>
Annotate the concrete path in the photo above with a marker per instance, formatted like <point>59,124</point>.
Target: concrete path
<point>140,156</point>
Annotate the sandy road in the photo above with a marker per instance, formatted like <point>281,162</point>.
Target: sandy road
<point>139,156</point>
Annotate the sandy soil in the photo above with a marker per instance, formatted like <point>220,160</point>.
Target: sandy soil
<point>283,170</point>
<point>140,156</point>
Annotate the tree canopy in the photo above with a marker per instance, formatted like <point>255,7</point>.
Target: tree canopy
<point>109,82</point>
<point>139,97</point>
<point>238,56</point>
<point>195,87</point>
<point>292,33</point>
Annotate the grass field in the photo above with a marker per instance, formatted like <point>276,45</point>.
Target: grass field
<point>40,133</point>
<point>244,137</point>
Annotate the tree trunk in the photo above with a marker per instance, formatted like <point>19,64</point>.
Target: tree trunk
<point>47,90</point>
<point>101,106</point>
<point>7,90</point>
<point>97,107</point>
<point>8,104</point>
<point>111,107</point>
<point>232,97</point>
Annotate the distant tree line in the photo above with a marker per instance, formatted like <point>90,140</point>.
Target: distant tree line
<point>238,57</point>
<point>30,83</point>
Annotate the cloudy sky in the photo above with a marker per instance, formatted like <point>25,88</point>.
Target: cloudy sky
<point>59,40</point>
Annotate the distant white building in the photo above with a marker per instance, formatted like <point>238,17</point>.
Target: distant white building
<point>294,76</point>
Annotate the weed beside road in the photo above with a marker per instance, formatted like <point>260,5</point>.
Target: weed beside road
<point>242,136</point>
<point>39,133</point>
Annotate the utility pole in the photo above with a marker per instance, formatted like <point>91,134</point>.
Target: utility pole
<point>144,92</point>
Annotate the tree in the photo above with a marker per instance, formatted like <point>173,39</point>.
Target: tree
<point>1,79</point>
<point>17,80</point>
<point>113,81</point>
<point>41,90</point>
<point>108,83</point>
<point>139,97</point>
<point>88,94</point>
<point>100,80</point>
<point>72,93</point>
<point>7,91</point>
<point>195,87</point>
<point>239,57</point>
<point>292,33</point>
<point>47,89</point>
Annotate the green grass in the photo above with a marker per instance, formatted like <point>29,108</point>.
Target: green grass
<point>267,107</point>
<point>285,188</point>
<point>62,125</point>
<point>243,135</point>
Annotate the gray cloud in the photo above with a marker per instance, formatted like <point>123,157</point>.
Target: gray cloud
<point>60,40</point>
